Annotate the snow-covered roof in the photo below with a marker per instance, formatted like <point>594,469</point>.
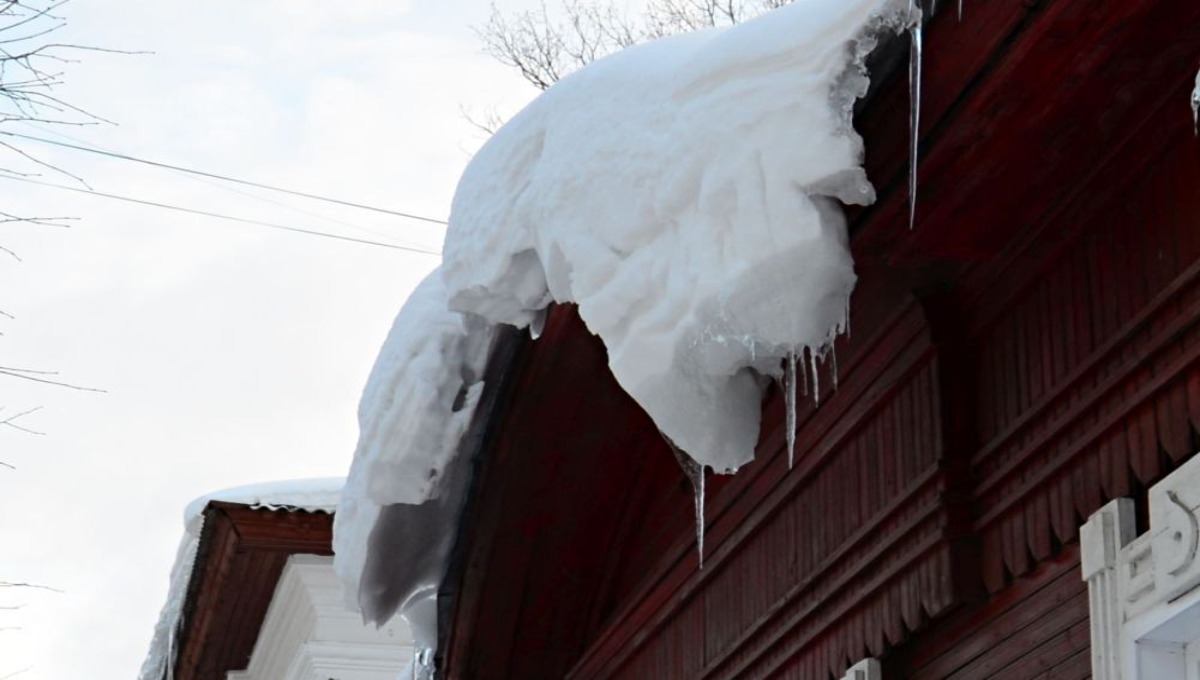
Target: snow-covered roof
<point>297,495</point>
<point>685,194</point>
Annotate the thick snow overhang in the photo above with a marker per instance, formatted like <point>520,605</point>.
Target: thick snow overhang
<point>668,190</point>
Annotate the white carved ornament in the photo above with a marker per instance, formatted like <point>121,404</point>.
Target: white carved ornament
<point>1143,596</point>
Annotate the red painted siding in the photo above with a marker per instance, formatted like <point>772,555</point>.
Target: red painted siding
<point>1036,629</point>
<point>1029,351</point>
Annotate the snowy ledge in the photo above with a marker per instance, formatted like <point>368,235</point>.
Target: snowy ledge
<point>298,495</point>
<point>685,194</point>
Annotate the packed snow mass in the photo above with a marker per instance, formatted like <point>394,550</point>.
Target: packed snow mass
<point>686,195</point>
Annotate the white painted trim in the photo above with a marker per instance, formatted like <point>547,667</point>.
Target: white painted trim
<point>867,669</point>
<point>308,634</point>
<point>1143,596</point>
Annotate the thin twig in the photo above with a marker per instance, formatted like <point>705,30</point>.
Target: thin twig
<point>32,586</point>
<point>11,421</point>
<point>27,374</point>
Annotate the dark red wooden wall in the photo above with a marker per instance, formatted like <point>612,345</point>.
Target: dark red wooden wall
<point>1028,351</point>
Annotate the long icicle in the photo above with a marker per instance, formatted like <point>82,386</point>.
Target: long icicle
<point>833,366</point>
<point>698,487</point>
<point>1196,106</point>
<point>816,378</point>
<point>914,116</point>
<point>694,471</point>
<point>789,397</point>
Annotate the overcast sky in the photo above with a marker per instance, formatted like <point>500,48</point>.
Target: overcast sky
<point>229,354</point>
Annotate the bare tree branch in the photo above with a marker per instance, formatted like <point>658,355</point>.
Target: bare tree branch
<point>487,122</point>
<point>42,221</point>
<point>11,421</point>
<point>31,67</point>
<point>544,46</point>
<point>32,586</point>
<point>39,377</point>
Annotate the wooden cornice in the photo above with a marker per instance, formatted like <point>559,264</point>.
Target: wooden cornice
<point>241,556</point>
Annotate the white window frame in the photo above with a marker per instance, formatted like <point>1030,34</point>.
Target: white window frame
<point>867,669</point>
<point>1143,596</point>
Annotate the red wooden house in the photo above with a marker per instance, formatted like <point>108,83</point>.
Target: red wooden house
<point>1028,352</point>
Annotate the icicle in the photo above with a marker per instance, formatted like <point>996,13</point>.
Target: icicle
<point>695,474</point>
<point>816,393</point>
<point>833,358</point>
<point>422,668</point>
<point>789,397</point>
<point>538,323</point>
<point>1196,106</point>
<point>698,487</point>
<point>803,375</point>
<point>914,116</point>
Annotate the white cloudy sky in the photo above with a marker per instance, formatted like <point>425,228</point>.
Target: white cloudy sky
<point>229,354</point>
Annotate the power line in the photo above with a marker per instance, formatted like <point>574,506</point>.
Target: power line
<point>220,216</point>
<point>226,187</point>
<point>191,171</point>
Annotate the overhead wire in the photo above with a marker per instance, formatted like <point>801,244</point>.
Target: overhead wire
<point>226,187</point>
<point>225,178</point>
<point>220,216</point>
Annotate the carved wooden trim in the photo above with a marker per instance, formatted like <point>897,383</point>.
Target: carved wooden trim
<point>867,669</point>
<point>1140,583</point>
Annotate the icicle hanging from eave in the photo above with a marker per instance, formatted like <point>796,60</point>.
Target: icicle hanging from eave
<point>914,112</point>
<point>1196,107</point>
<point>789,396</point>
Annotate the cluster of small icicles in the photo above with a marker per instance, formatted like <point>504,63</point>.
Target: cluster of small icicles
<point>801,366</point>
<point>793,376</point>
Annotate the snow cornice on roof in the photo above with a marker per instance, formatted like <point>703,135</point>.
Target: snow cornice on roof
<point>686,195</point>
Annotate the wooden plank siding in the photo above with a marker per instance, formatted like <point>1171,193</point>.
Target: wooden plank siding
<point>1029,351</point>
<point>1084,375</point>
<point>1031,630</point>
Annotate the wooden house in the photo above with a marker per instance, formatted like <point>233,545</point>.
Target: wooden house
<point>254,595</point>
<point>1028,352</point>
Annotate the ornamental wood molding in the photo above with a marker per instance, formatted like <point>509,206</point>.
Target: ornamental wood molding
<point>309,634</point>
<point>1144,602</point>
<point>867,669</point>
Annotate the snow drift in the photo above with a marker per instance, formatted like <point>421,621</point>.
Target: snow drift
<point>392,528</point>
<point>683,194</point>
